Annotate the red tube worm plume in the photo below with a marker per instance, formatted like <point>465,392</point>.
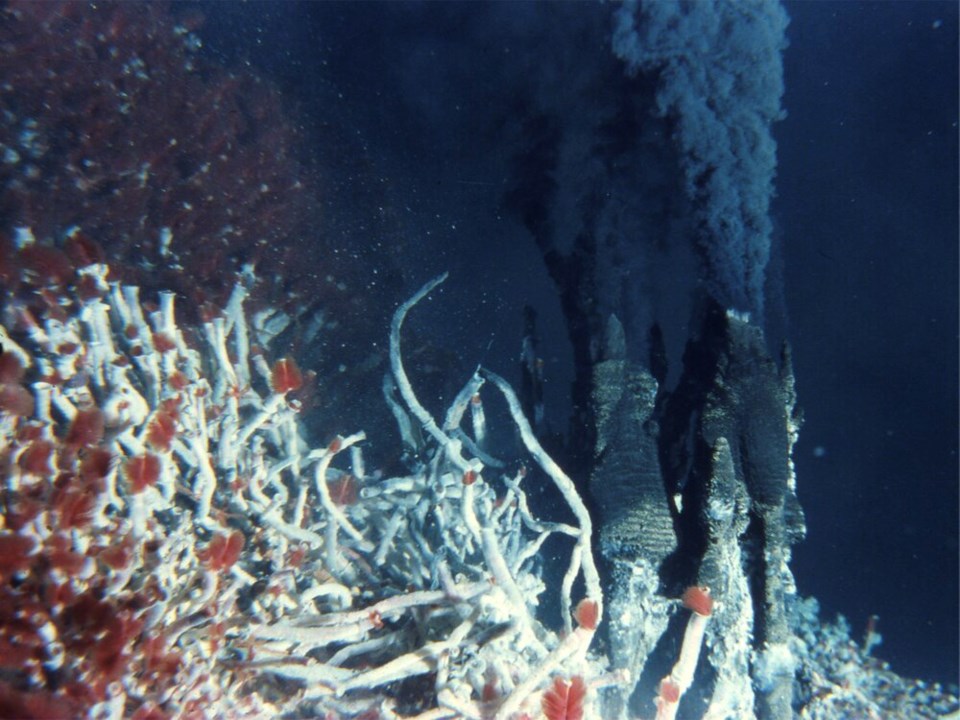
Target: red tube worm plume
<point>163,343</point>
<point>285,376</point>
<point>83,250</point>
<point>334,446</point>
<point>74,506</point>
<point>160,661</point>
<point>469,477</point>
<point>62,556</point>
<point>564,701</point>
<point>222,552</point>
<point>86,428</point>
<point>88,288</point>
<point>697,598</point>
<point>11,371</point>
<point>45,266</point>
<point>296,556</point>
<point>668,699</point>
<point>587,614</point>
<point>490,694</point>
<point>110,652</point>
<point>162,430</point>
<point>16,400</point>
<point>177,380</point>
<point>343,490</point>
<point>142,471</point>
<point>15,552</point>
<point>188,148</point>
<point>673,686</point>
<point>118,556</point>
<point>35,460</point>
<point>376,619</point>
<point>95,466</point>
<point>37,704</point>
<point>669,691</point>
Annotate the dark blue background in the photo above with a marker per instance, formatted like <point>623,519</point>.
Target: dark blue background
<point>868,208</point>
